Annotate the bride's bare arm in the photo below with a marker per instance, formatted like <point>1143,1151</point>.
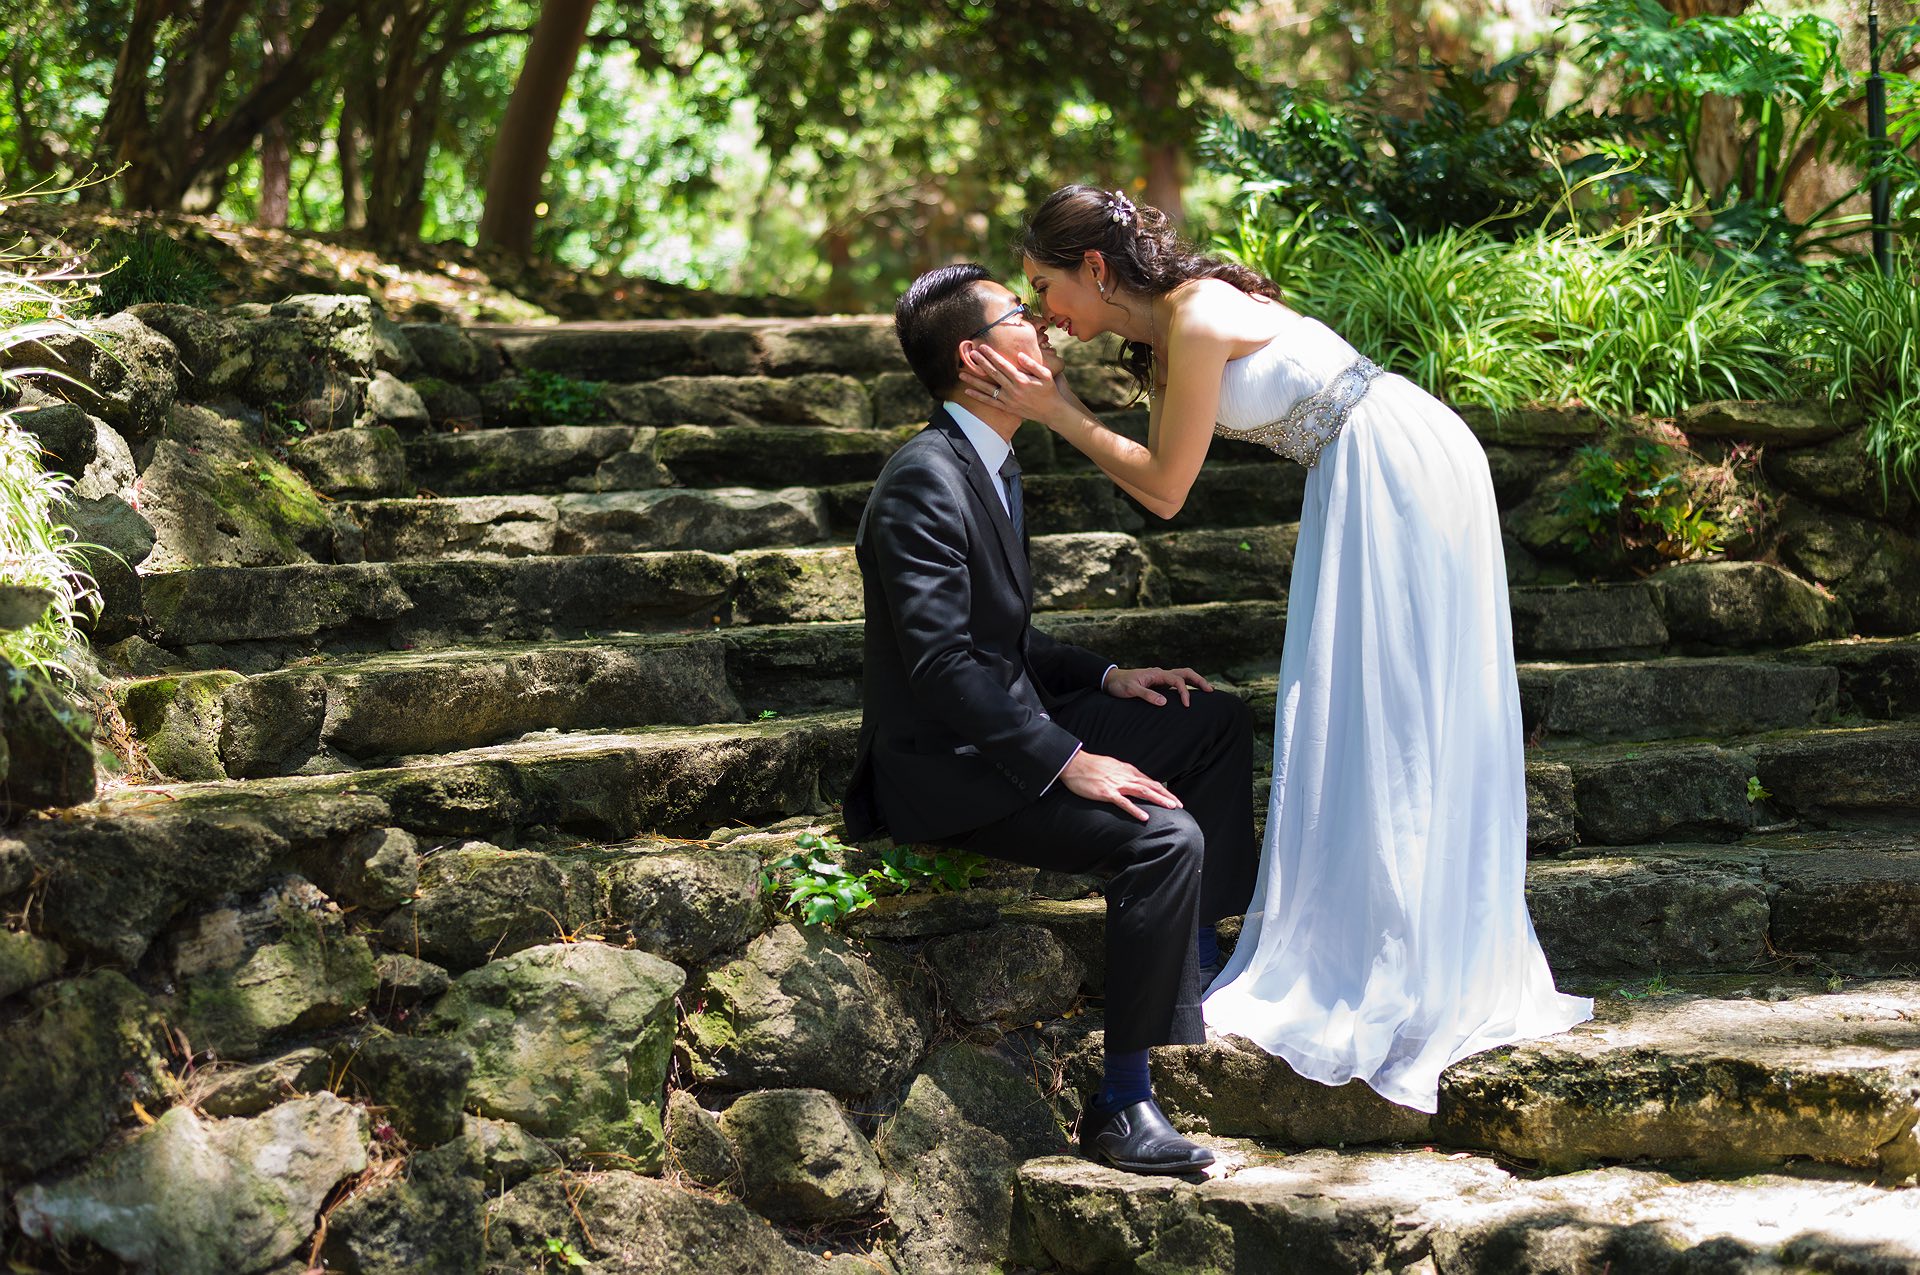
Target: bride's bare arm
<point>1160,473</point>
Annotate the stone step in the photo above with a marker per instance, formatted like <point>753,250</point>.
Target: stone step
<point>1846,900</point>
<point>1722,1074</point>
<point>1268,1208</point>
<point>333,714</point>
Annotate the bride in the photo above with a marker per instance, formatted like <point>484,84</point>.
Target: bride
<point>1388,934</point>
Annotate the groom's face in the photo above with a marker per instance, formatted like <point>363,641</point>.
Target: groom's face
<point>1012,331</point>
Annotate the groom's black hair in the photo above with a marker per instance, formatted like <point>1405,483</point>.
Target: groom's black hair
<point>933,316</point>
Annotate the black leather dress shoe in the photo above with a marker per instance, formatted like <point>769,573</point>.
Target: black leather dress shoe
<point>1139,1140</point>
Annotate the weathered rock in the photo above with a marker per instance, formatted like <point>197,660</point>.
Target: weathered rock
<point>1552,809</point>
<point>378,868</point>
<point>815,399</point>
<point>921,915</point>
<point>407,980</point>
<point>951,1154</point>
<point>111,883</point>
<point>1744,604</point>
<point>719,520</point>
<point>248,1091</point>
<point>122,371</point>
<point>443,350</point>
<point>620,1221</point>
<point>419,1081</point>
<point>416,602</point>
<point>191,1196</point>
<point>1009,974</point>
<point>216,497</point>
<point>1617,620</point>
<point>797,586</point>
<point>286,367</point>
<point>1215,566</point>
<point>178,720</point>
<point>1091,569</point>
<point>1648,912</point>
<point>1841,472</point>
<point>1872,770</point>
<point>431,1221</point>
<point>1422,1211</point>
<point>684,904</point>
<point>111,472</point>
<point>571,1042</point>
<point>213,350</point>
<point>391,402</point>
<point>1231,1087</point>
<point>71,1063</point>
<point>112,524</point>
<point>26,961</point>
<point>1685,697</point>
<point>546,458</point>
<point>478,902</point>
<point>1692,791</point>
<point>1781,424</point>
<point>460,527</point>
<point>448,406</point>
<point>66,435</point>
<point>341,328</point>
<point>696,1145</point>
<point>801,1009</point>
<point>800,1160</point>
<point>1872,568</point>
<point>900,399</point>
<point>507,1154</point>
<point>283,964</point>
<point>1722,1084</point>
<point>774,456</point>
<point>353,463</point>
<point>46,760</point>
<point>1078,923</point>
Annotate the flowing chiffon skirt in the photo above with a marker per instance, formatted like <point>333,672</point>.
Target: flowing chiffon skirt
<point>1388,934</point>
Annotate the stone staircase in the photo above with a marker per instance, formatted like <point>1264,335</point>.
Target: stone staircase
<point>580,648</point>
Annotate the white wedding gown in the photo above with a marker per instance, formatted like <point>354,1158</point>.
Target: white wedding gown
<point>1388,934</point>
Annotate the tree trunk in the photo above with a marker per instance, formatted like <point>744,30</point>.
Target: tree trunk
<point>1719,151</point>
<point>406,108</point>
<point>1166,188</point>
<point>1160,153</point>
<point>125,128</point>
<point>518,168</point>
<point>346,140</point>
<point>276,159</point>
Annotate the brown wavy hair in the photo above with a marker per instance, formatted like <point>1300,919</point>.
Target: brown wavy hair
<point>1143,253</point>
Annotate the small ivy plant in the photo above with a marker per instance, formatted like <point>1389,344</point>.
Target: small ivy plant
<point>554,398</point>
<point>820,889</point>
<point>1641,497</point>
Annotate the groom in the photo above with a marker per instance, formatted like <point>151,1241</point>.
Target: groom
<point>984,734</point>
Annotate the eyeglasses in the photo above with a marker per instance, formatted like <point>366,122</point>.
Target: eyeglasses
<point>1021,311</point>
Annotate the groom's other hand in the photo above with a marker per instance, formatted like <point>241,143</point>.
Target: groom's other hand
<point>1139,683</point>
<point>1099,778</point>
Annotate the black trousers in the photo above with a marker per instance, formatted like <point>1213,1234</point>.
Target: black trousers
<point>1163,878</point>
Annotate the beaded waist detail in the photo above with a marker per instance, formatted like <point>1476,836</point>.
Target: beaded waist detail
<point>1316,420</point>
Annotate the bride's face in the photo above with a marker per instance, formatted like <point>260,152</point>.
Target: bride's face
<point>1068,299</point>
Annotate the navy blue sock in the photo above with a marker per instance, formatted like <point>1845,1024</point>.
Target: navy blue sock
<point>1209,946</point>
<point>1125,1082</point>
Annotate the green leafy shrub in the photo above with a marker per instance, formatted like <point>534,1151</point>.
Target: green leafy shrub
<point>554,398</point>
<point>1639,498</point>
<point>822,885</point>
<point>1863,338</point>
<point>150,266</point>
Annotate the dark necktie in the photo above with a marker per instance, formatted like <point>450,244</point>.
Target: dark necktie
<point>1016,514</point>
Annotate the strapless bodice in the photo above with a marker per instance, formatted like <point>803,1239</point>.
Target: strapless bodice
<point>1294,393</point>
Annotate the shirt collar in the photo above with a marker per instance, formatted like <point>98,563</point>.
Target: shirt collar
<point>987,444</point>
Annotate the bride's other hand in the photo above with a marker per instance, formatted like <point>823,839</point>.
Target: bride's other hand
<point>1029,388</point>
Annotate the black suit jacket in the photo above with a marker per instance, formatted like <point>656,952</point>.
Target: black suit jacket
<point>957,687</point>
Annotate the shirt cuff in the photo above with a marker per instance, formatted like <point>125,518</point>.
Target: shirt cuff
<point>1103,677</point>
<point>1063,766</point>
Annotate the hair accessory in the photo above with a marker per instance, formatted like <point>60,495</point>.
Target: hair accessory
<point>1120,210</point>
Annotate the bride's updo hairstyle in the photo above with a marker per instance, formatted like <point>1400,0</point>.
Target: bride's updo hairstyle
<point>1143,254</point>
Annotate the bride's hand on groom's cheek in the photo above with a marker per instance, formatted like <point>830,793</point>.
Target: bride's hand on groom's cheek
<point>1027,388</point>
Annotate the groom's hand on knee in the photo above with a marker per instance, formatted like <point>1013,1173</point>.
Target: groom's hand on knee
<point>1099,778</point>
<point>1141,683</point>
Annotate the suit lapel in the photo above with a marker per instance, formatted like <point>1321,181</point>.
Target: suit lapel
<point>983,484</point>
